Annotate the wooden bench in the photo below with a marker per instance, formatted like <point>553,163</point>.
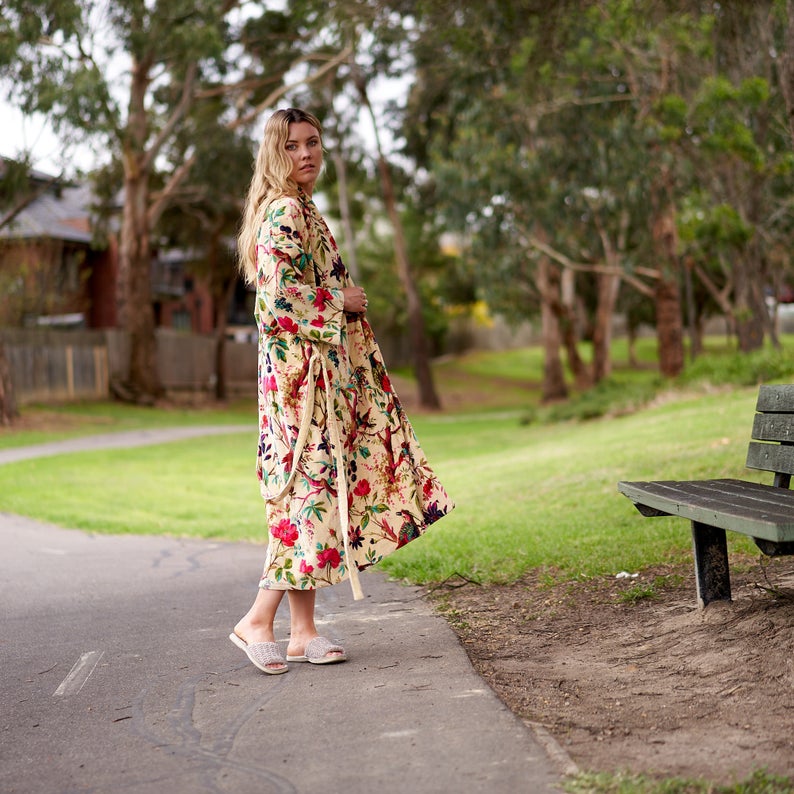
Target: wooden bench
<point>764,512</point>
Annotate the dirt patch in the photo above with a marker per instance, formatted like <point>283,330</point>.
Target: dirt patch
<point>627,674</point>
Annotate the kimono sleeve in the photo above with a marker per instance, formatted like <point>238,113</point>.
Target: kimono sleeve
<point>286,278</point>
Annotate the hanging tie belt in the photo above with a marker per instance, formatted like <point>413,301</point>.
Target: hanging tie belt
<point>335,437</point>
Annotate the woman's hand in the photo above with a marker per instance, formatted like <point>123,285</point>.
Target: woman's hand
<point>355,300</point>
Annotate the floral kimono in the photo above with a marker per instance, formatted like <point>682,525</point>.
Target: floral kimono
<point>342,473</point>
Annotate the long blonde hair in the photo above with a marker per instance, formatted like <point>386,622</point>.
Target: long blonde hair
<point>271,180</point>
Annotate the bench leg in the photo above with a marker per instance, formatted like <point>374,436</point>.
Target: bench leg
<point>711,564</point>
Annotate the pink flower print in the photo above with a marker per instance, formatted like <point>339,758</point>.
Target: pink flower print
<point>321,298</point>
<point>285,531</point>
<point>270,383</point>
<point>304,568</point>
<point>288,324</point>
<point>328,557</point>
<point>362,488</point>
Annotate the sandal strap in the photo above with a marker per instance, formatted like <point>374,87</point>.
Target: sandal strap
<point>265,653</point>
<point>318,647</point>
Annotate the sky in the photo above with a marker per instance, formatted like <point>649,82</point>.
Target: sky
<point>19,133</point>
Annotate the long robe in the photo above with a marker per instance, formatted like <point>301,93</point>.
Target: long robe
<point>326,406</point>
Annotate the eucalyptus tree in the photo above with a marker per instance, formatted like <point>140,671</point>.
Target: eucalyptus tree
<point>204,211</point>
<point>733,132</point>
<point>378,33</point>
<point>126,76</point>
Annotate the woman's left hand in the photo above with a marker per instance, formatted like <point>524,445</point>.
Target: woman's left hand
<point>355,300</point>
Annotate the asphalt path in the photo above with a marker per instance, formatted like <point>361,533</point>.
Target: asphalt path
<point>118,676</point>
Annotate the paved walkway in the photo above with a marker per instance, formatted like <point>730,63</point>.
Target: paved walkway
<point>118,676</point>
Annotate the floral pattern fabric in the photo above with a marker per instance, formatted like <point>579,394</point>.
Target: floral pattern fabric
<point>326,406</point>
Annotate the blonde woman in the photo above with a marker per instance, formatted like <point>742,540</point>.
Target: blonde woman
<point>343,477</point>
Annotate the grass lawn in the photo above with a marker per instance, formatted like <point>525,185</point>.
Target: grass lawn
<point>528,496</point>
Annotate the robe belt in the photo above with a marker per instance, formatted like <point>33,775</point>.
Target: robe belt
<point>339,461</point>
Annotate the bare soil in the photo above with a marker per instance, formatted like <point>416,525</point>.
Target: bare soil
<point>628,674</point>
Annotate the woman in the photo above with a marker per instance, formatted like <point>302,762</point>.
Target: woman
<point>343,477</point>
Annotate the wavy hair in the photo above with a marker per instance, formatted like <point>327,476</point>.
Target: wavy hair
<point>271,180</point>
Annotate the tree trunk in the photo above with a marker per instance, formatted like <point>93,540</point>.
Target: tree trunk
<point>554,386</point>
<point>669,320</point>
<point>669,327</point>
<point>750,308</point>
<point>221,297</point>
<point>136,314</point>
<point>695,341</point>
<point>351,259</point>
<point>608,286</point>
<point>786,71</point>
<point>428,397</point>
<point>8,405</point>
<point>566,308</point>
<point>135,292</point>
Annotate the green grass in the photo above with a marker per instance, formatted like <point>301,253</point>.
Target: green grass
<point>760,782</point>
<point>528,496</point>
<point>41,424</point>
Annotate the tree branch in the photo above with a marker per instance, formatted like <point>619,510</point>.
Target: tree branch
<point>179,111</point>
<point>279,92</point>
<point>161,200</point>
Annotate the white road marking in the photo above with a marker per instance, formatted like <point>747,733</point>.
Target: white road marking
<point>79,674</point>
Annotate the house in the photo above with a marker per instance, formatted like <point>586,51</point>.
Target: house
<point>51,273</point>
<point>54,273</point>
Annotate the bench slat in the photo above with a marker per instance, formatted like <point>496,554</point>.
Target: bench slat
<point>773,427</point>
<point>760,511</point>
<point>778,399</point>
<point>770,457</point>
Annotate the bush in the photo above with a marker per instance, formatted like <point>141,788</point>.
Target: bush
<point>739,369</point>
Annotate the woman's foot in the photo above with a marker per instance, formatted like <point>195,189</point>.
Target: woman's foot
<point>318,650</point>
<point>259,645</point>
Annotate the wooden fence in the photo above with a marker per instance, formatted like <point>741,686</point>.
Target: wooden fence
<point>56,366</point>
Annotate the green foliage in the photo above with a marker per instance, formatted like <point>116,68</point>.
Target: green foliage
<point>612,396</point>
<point>712,227</point>
<point>741,369</point>
<point>759,782</point>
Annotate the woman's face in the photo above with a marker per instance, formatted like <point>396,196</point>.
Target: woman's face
<point>305,150</point>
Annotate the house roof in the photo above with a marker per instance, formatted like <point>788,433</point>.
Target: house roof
<point>61,212</point>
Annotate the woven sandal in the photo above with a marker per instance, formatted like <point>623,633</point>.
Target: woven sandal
<point>317,651</point>
<point>261,654</point>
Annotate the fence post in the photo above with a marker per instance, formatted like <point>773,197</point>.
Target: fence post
<point>101,375</point>
<point>8,406</point>
<point>69,353</point>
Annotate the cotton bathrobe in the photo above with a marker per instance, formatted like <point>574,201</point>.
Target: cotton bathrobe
<point>343,476</point>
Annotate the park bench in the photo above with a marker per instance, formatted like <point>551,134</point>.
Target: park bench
<point>763,512</point>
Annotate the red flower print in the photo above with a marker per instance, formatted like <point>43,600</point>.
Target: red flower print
<point>318,322</point>
<point>328,557</point>
<point>270,383</point>
<point>386,384</point>
<point>321,298</point>
<point>362,488</point>
<point>288,324</point>
<point>285,531</point>
<point>305,568</point>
